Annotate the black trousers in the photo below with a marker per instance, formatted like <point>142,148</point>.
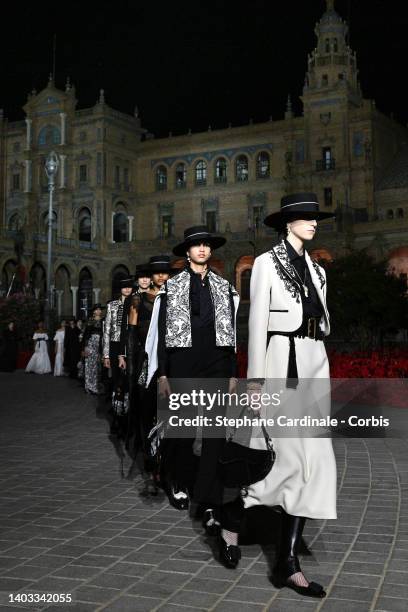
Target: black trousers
<point>179,463</point>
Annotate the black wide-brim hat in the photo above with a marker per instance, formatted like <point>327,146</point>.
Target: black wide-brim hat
<point>297,206</point>
<point>96,306</point>
<point>197,235</point>
<point>142,270</point>
<point>160,263</point>
<point>127,283</point>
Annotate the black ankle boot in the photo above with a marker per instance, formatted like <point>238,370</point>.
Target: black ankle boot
<point>288,562</point>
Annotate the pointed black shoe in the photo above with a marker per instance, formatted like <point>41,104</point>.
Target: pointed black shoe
<point>229,554</point>
<point>210,523</point>
<point>281,578</point>
<point>178,497</point>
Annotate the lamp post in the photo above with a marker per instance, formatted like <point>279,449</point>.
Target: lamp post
<point>51,170</point>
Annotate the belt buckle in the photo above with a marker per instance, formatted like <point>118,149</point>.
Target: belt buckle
<point>311,325</point>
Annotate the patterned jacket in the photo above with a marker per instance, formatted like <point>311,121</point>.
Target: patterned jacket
<point>113,323</point>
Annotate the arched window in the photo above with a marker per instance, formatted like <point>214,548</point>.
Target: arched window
<point>400,213</point>
<point>161,178</point>
<point>85,292</point>
<point>390,214</point>
<point>49,135</point>
<point>221,170</point>
<point>37,277</point>
<point>181,176</point>
<point>241,168</point>
<point>263,165</point>
<point>120,227</point>
<point>335,45</point>
<point>201,173</point>
<point>85,225</point>
<point>327,45</point>
<point>7,275</point>
<point>325,80</point>
<point>14,222</point>
<point>45,221</point>
<point>63,283</point>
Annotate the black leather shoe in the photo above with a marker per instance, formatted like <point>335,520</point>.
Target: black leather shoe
<point>210,523</point>
<point>178,497</point>
<point>282,578</point>
<point>229,554</point>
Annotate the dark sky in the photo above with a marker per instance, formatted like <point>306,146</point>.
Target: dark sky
<point>191,64</point>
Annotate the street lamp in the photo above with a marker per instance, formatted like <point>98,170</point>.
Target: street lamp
<point>51,169</point>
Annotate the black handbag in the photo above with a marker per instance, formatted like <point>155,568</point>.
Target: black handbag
<point>241,466</point>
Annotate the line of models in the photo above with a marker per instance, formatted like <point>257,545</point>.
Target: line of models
<point>181,325</point>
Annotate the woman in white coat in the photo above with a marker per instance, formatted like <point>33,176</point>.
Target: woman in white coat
<point>287,323</point>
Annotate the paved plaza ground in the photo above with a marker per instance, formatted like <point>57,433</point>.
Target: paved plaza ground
<point>70,524</point>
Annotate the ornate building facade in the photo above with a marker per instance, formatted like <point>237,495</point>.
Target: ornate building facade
<point>122,195</point>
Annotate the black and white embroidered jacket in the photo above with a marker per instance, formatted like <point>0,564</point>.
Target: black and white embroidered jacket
<point>178,315</point>
<point>113,323</point>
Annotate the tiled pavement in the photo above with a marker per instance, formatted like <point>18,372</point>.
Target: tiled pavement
<point>70,524</point>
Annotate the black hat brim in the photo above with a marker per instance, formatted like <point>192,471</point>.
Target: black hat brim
<point>215,242</point>
<point>277,219</point>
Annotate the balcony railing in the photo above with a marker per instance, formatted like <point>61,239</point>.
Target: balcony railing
<point>325,164</point>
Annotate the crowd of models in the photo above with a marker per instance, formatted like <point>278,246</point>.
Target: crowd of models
<point>170,324</point>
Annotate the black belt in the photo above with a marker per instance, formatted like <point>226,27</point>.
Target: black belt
<point>309,329</point>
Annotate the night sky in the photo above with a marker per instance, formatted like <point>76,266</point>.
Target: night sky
<point>191,64</point>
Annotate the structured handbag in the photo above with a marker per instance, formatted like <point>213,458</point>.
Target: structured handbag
<point>241,466</point>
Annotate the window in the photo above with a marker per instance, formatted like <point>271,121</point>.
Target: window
<point>335,45</point>
<point>241,168</point>
<point>325,80</point>
<point>83,173</point>
<point>45,221</point>
<point>181,176</point>
<point>120,227</point>
<point>211,220</point>
<point>82,136</point>
<point>126,179</point>
<point>341,76</point>
<point>117,177</point>
<point>14,222</point>
<point>257,216</point>
<point>390,214</point>
<point>400,213</point>
<point>16,182</point>
<point>327,158</point>
<point>262,165</point>
<point>358,144</point>
<point>161,178</point>
<point>85,225</point>
<point>201,173</point>
<point>327,45</point>
<point>328,196</point>
<point>49,135</point>
<point>221,170</point>
<point>166,226</point>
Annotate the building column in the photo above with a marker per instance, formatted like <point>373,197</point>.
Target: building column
<point>62,171</point>
<point>130,219</point>
<point>96,292</point>
<point>63,127</point>
<point>74,291</point>
<point>113,214</point>
<point>28,175</point>
<point>60,293</point>
<point>52,296</point>
<point>28,133</point>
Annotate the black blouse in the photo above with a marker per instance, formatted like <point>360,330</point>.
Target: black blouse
<point>312,306</point>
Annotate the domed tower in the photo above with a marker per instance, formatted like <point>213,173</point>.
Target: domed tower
<point>332,67</point>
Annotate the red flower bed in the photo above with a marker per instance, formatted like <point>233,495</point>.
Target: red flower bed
<point>383,376</point>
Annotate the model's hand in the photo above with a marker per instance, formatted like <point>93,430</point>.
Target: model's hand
<point>122,362</point>
<point>164,387</point>
<point>254,391</point>
<point>106,362</point>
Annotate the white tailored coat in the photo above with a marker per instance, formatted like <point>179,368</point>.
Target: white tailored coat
<point>303,478</point>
